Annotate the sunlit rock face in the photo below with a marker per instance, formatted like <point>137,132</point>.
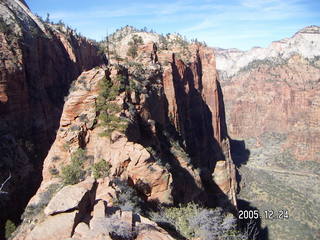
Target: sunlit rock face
<point>175,149</point>
<point>272,103</point>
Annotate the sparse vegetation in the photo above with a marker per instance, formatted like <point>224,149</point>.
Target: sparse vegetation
<point>8,29</point>
<point>164,43</point>
<point>4,27</point>
<point>178,151</point>
<point>44,198</point>
<point>156,156</point>
<point>10,227</point>
<point>134,44</point>
<point>118,228</point>
<point>127,198</point>
<point>315,61</point>
<point>66,147</point>
<point>194,221</point>
<point>272,62</point>
<point>177,146</point>
<point>177,218</point>
<point>74,172</point>
<point>101,169</point>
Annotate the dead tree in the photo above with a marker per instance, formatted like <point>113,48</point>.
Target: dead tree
<point>4,183</point>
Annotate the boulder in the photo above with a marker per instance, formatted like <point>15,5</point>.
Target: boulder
<point>150,232</point>
<point>55,227</point>
<point>69,197</point>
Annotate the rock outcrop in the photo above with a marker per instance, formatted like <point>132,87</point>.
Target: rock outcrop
<point>196,108</point>
<point>95,223</point>
<point>272,110</point>
<point>38,61</point>
<point>174,149</point>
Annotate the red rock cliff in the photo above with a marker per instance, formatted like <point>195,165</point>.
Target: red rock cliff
<point>38,61</point>
<point>195,104</point>
<point>272,103</point>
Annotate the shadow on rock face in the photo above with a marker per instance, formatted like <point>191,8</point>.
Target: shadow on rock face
<point>199,131</point>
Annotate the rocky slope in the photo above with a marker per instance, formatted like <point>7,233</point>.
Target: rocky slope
<point>271,97</point>
<point>148,129</point>
<point>160,126</point>
<point>37,64</point>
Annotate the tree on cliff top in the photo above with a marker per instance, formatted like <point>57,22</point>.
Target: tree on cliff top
<point>134,43</point>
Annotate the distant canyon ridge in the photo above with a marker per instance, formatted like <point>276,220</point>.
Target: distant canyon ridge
<point>273,109</point>
<point>91,130</point>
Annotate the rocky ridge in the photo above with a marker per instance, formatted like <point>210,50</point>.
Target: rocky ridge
<point>304,43</point>
<point>152,156</point>
<point>193,96</point>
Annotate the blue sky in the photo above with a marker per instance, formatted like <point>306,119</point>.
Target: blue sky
<point>235,23</point>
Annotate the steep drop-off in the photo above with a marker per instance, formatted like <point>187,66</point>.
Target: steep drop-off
<point>38,61</point>
<point>157,122</point>
<point>272,108</point>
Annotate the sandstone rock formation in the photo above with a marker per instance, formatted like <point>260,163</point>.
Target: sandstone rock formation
<point>271,98</point>
<point>54,227</point>
<point>193,98</point>
<point>175,148</point>
<point>38,63</point>
<point>94,222</point>
<point>197,111</point>
<point>70,197</point>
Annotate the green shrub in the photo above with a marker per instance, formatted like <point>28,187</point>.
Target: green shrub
<point>134,43</point>
<point>107,110</point>
<point>108,90</point>
<point>180,216</point>
<point>3,26</point>
<point>132,51</point>
<point>7,29</point>
<point>164,43</point>
<point>66,146</point>
<point>111,123</point>
<point>10,227</point>
<point>121,79</point>
<point>79,156</point>
<point>194,221</point>
<point>74,172</point>
<point>166,63</point>
<point>101,169</point>
<point>118,228</point>
<point>178,151</point>
<point>127,197</point>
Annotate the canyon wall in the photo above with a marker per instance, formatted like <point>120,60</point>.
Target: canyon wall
<point>272,110</point>
<point>155,120</point>
<point>38,62</point>
<point>197,111</point>
<point>174,149</point>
